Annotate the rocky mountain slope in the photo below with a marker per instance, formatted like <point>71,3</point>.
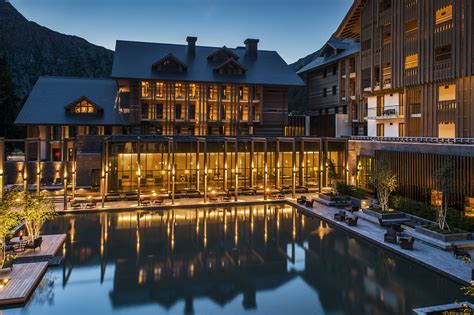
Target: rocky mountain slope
<point>32,50</point>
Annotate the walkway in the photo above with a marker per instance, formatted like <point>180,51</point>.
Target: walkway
<point>23,279</point>
<point>423,254</point>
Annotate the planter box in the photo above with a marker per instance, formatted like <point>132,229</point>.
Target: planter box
<point>333,201</point>
<point>385,216</point>
<point>361,203</point>
<point>454,308</point>
<point>442,237</point>
<point>334,198</point>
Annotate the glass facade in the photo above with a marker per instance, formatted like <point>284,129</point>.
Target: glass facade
<point>220,164</point>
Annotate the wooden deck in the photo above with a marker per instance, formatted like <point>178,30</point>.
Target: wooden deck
<point>50,247</point>
<point>23,280</point>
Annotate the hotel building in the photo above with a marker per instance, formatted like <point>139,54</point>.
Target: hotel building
<point>416,66</point>
<point>181,120</point>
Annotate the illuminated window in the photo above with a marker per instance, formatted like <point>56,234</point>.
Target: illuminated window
<point>84,107</point>
<point>411,26</point>
<point>444,14</point>
<point>159,90</point>
<point>447,93</point>
<point>411,61</point>
<point>146,90</point>
<point>447,130</point>
<point>380,130</point>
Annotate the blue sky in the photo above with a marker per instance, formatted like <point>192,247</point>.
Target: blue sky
<point>294,28</point>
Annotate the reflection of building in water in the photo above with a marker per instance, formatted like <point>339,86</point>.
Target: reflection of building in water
<point>179,256</point>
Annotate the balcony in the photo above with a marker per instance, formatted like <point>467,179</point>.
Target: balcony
<point>387,112</point>
<point>415,110</point>
<point>443,69</point>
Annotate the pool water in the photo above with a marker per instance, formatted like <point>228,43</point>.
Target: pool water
<point>255,259</point>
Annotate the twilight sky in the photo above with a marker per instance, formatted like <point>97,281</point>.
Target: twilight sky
<point>294,28</point>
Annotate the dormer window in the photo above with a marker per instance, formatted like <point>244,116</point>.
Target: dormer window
<point>222,54</point>
<point>230,67</point>
<point>170,63</point>
<point>83,106</point>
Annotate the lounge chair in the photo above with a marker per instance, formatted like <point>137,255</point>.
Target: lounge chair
<point>158,201</point>
<point>309,203</point>
<point>460,253</point>
<point>397,227</point>
<point>75,204</point>
<point>36,243</point>
<point>226,198</point>
<point>7,264</point>
<point>352,221</point>
<point>407,243</point>
<point>301,200</point>
<point>390,236</point>
<point>145,202</point>
<point>91,205</point>
<point>340,216</point>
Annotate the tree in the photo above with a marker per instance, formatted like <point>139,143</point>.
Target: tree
<point>7,222</point>
<point>384,181</point>
<point>443,180</point>
<point>30,208</point>
<point>9,103</point>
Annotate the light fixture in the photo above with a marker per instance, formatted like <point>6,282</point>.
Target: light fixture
<point>4,282</point>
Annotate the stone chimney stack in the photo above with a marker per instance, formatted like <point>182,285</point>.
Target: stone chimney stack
<point>191,45</point>
<point>251,47</point>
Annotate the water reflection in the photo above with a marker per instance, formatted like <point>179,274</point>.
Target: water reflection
<point>231,258</point>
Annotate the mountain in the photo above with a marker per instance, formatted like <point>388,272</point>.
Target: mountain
<point>297,98</point>
<point>32,50</point>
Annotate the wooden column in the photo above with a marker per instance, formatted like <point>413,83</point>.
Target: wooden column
<point>173,174</point>
<point>197,164</point>
<point>64,185</point>
<point>225,166</point>
<point>102,176</point>
<point>74,168</point>
<point>2,165</point>
<point>25,166</point>
<point>38,166</point>
<point>265,174</point>
<point>139,171</point>
<point>293,169</point>
<point>236,189</point>
<point>205,171</point>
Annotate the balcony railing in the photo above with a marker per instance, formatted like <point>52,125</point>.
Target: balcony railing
<point>443,69</point>
<point>467,141</point>
<point>395,111</point>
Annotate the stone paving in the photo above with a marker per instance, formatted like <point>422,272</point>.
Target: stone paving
<point>431,257</point>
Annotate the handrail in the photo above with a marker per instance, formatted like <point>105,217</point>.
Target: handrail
<point>434,140</point>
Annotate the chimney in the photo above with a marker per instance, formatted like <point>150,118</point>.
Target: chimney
<point>251,47</point>
<point>191,45</point>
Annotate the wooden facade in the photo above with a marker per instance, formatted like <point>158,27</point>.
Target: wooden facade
<point>423,51</point>
<point>332,89</point>
<point>183,108</point>
<point>415,174</point>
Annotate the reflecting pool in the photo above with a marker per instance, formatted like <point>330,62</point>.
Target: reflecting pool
<point>257,260</point>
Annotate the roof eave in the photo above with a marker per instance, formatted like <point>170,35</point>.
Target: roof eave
<point>349,25</point>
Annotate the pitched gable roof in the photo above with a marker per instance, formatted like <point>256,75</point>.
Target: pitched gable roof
<point>160,64</point>
<point>343,49</point>
<point>50,95</point>
<point>223,51</point>
<point>83,98</point>
<point>350,25</point>
<point>133,60</point>
<point>230,66</point>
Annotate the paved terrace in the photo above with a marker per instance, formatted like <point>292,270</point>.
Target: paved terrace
<point>426,255</point>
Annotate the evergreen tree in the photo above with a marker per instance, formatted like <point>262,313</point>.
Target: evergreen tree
<point>9,103</point>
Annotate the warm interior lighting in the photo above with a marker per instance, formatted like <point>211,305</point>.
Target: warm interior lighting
<point>411,61</point>
<point>4,282</point>
<point>444,14</point>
